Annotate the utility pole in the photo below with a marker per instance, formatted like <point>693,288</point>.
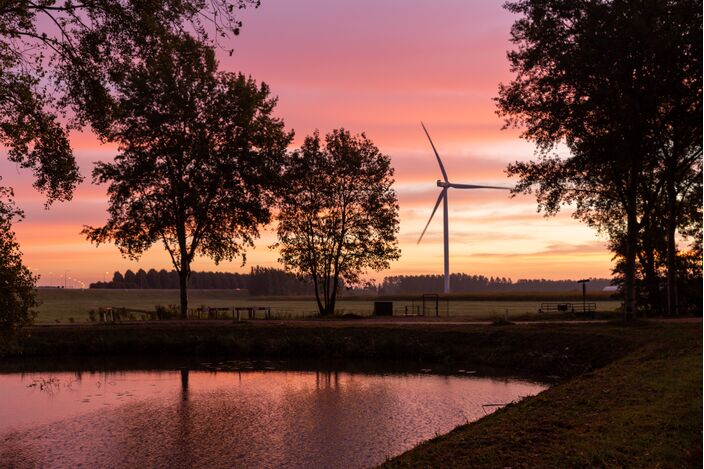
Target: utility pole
<point>584,294</point>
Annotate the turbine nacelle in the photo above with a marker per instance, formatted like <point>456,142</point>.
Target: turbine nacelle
<point>447,185</point>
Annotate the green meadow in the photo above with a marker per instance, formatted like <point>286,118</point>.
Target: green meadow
<point>74,305</point>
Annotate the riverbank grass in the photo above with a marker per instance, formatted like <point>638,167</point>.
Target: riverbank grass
<point>643,410</point>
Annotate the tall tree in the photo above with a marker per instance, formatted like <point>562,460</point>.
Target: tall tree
<point>53,54</point>
<point>654,261</point>
<point>47,44</point>
<point>617,82</point>
<point>17,298</point>
<point>29,129</point>
<point>52,57</point>
<point>339,216</point>
<point>199,156</point>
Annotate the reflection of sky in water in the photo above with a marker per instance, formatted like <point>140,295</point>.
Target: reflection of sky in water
<point>228,419</point>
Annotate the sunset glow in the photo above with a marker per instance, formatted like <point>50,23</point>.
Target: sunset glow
<point>378,68</point>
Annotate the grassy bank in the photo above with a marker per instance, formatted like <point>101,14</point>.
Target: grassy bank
<point>628,396</point>
<point>556,350</point>
<point>74,305</point>
<point>643,410</point>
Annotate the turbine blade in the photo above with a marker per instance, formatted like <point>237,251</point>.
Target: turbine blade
<point>442,194</point>
<point>442,168</point>
<point>475,186</point>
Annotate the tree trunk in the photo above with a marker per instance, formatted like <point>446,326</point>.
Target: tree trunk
<point>652,280</point>
<point>184,384</point>
<point>327,294</point>
<point>671,246</point>
<point>329,304</point>
<point>333,295</point>
<point>182,286</point>
<point>321,307</point>
<point>672,307</point>
<point>184,271</point>
<point>629,309</point>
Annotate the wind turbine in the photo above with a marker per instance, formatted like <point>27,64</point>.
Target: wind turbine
<point>446,185</point>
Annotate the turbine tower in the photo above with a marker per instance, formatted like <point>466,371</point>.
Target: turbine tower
<point>446,185</point>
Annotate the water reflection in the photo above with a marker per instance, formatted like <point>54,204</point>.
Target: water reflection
<point>234,419</point>
<point>184,384</point>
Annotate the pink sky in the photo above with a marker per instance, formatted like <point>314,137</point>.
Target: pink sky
<point>381,68</point>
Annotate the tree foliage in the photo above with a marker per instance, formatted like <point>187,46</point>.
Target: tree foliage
<point>261,281</point>
<point>619,83</point>
<point>464,283</point>
<point>57,53</point>
<point>17,298</point>
<point>339,215</point>
<point>57,56</point>
<point>199,156</point>
<point>31,132</point>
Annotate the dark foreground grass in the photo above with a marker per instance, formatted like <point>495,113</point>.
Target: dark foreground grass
<point>643,410</point>
<point>628,396</point>
<point>541,349</point>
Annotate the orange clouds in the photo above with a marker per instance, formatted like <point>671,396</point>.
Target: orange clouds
<point>381,68</point>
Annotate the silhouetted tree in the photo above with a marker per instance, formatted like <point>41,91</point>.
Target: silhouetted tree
<point>53,56</point>
<point>339,216</point>
<point>53,53</point>
<point>166,280</point>
<point>620,84</point>
<point>17,298</point>
<point>270,281</point>
<point>169,280</point>
<point>142,279</point>
<point>153,279</point>
<point>416,284</point>
<point>653,269</point>
<point>130,279</point>
<point>29,129</point>
<point>118,281</point>
<point>199,157</point>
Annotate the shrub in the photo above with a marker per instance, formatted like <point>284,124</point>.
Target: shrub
<point>17,295</point>
<point>162,312</point>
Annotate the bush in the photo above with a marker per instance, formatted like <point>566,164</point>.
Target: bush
<point>162,312</point>
<point>17,294</point>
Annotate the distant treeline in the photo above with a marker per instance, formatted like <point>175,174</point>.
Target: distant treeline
<point>261,281</point>
<point>268,281</point>
<point>479,283</point>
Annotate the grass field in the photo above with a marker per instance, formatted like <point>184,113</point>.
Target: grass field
<point>65,305</point>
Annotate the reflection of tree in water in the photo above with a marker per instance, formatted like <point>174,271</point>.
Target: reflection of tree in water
<point>183,443</point>
<point>259,418</point>
<point>327,380</point>
<point>155,431</point>
<point>184,384</point>
<point>337,422</point>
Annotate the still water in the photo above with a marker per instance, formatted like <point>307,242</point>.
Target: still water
<point>227,418</point>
